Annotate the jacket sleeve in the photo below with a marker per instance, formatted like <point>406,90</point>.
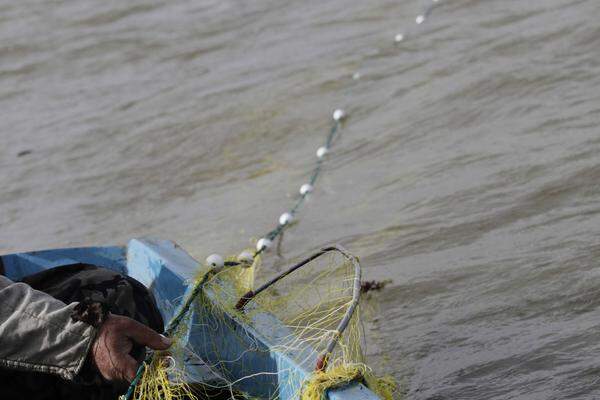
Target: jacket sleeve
<point>38,334</point>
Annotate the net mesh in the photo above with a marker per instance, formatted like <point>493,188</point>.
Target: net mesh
<point>273,347</point>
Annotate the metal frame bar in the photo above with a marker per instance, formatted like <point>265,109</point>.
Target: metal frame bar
<point>323,359</point>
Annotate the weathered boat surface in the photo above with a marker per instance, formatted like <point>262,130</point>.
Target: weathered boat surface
<point>164,268</point>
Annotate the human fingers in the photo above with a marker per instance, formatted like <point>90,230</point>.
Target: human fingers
<point>143,335</point>
<point>126,367</point>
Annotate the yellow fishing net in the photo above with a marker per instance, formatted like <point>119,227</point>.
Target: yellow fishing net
<point>284,342</point>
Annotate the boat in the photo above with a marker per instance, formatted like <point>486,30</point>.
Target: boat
<point>247,346</point>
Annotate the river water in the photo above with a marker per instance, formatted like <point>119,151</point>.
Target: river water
<point>467,172</point>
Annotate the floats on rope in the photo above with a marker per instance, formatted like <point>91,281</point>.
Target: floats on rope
<point>216,262</point>
<point>265,243</point>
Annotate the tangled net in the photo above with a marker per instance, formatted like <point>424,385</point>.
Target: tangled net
<point>294,337</point>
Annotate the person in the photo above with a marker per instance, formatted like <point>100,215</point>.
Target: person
<point>74,332</point>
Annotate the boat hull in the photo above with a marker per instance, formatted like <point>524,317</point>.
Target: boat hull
<point>165,268</point>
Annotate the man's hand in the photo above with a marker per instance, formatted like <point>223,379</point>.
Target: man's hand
<point>110,351</point>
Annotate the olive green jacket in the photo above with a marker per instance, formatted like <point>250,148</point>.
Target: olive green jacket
<point>38,334</point>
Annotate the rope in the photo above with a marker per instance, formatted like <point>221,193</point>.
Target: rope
<point>277,231</point>
<point>264,243</point>
<point>172,327</point>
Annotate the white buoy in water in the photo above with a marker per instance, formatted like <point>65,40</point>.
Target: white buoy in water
<point>398,38</point>
<point>215,261</point>
<point>420,19</point>
<point>263,243</point>
<point>285,218</point>
<point>339,114</point>
<point>321,151</point>
<point>246,258</point>
<point>306,189</point>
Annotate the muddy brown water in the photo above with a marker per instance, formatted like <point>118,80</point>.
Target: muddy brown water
<point>468,172</point>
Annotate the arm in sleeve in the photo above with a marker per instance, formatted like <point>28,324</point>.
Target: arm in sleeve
<point>38,334</point>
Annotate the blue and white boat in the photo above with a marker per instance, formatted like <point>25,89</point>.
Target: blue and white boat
<point>259,369</point>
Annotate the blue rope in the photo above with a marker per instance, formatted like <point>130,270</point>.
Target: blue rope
<point>273,234</point>
<point>176,321</point>
<point>170,330</point>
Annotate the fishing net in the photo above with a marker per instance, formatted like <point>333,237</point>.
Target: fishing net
<point>294,336</point>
